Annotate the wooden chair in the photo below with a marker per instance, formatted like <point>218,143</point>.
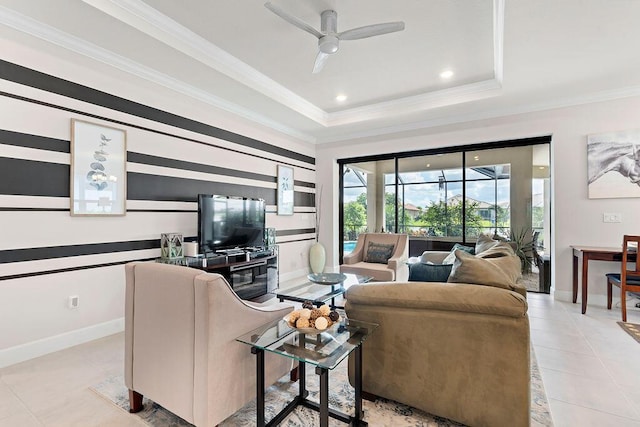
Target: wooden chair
<point>627,280</point>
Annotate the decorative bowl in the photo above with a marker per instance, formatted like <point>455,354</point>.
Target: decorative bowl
<point>327,278</point>
<point>312,331</point>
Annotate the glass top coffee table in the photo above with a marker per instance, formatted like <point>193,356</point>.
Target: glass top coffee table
<point>324,351</point>
<point>320,294</point>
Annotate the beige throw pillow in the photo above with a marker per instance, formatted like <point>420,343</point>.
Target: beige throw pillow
<point>484,242</point>
<point>500,272</point>
<point>499,249</point>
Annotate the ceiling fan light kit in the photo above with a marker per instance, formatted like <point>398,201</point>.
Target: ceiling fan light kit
<point>328,36</point>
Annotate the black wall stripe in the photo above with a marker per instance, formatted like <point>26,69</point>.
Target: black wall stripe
<point>55,252</point>
<point>58,145</point>
<point>34,141</point>
<point>167,188</point>
<point>66,270</point>
<point>109,264</point>
<point>297,240</point>
<point>49,252</point>
<point>147,159</point>
<point>5,209</point>
<point>159,132</point>
<point>304,184</point>
<point>281,233</point>
<point>32,178</point>
<point>49,83</point>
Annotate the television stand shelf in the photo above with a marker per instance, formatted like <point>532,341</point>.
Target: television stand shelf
<point>249,279</point>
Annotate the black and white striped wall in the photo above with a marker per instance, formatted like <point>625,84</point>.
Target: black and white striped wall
<point>46,255</point>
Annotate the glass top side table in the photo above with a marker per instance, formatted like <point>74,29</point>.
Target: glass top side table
<point>324,351</point>
<point>319,294</point>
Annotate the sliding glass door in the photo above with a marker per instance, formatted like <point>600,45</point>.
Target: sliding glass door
<point>430,188</point>
<point>452,195</point>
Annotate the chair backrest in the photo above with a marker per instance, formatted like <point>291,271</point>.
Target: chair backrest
<point>181,326</point>
<point>159,320</point>
<point>629,248</point>
<point>399,240</point>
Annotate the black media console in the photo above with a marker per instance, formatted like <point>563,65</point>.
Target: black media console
<point>252,273</point>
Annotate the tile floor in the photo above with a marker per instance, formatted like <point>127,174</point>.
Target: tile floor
<point>587,362</point>
<point>581,357</point>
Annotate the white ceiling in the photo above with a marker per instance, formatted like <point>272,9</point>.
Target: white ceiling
<point>508,56</point>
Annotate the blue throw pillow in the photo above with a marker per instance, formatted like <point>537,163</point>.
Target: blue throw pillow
<point>469,249</point>
<point>379,252</point>
<point>423,272</point>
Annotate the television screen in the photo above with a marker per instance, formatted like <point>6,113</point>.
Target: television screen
<point>226,222</point>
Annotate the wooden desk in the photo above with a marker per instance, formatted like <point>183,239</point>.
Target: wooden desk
<point>592,253</point>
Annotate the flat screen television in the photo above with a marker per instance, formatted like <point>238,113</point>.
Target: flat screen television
<point>227,222</point>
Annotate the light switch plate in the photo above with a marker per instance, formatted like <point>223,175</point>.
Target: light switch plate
<point>611,217</point>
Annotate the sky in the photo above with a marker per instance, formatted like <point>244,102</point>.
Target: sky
<point>422,195</point>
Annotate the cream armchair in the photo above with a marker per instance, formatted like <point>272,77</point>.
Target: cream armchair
<point>180,348</point>
<point>395,269</point>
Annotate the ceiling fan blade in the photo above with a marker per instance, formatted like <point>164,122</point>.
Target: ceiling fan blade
<point>371,30</point>
<point>293,20</point>
<point>321,58</point>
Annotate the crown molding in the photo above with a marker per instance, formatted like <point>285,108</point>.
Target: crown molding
<point>148,20</point>
<point>153,23</point>
<point>67,41</point>
<point>412,104</point>
<point>498,39</point>
<point>602,96</point>
<point>157,25</point>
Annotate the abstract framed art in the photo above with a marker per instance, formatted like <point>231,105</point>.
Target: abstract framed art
<point>98,169</point>
<point>614,164</point>
<point>285,190</point>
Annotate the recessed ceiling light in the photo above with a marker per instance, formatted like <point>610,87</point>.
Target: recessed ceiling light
<point>447,74</point>
<point>540,167</point>
<point>341,98</point>
<point>428,165</point>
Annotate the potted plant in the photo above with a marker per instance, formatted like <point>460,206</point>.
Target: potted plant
<point>523,240</point>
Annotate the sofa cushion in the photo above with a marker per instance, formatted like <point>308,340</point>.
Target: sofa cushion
<point>502,272</point>
<point>426,272</point>
<point>379,252</point>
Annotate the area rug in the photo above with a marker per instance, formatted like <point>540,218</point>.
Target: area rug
<point>632,329</point>
<point>382,412</point>
<point>531,280</point>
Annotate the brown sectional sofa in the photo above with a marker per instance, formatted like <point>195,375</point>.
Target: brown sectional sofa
<point>460,351</point>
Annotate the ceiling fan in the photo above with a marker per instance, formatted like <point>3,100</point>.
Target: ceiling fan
<point>328,37</point>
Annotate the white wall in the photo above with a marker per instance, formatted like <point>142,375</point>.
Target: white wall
<point>34,317</point>
<point>576,220</point>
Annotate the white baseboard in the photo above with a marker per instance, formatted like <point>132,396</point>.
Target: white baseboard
<point>597,300</point>
<point>567,296</point>
<point>38,348</point>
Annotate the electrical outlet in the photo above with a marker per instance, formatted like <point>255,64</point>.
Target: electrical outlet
<point>611,217</point>
<point>74,301</point>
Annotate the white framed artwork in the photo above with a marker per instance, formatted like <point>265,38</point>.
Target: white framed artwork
<point>98,169</point>
<point>614,164</point>
<point>285,190</point>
